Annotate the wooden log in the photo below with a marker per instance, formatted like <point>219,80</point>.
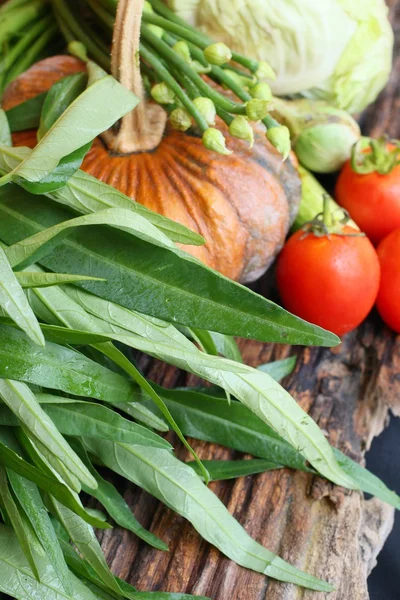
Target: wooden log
<point>328,531</point>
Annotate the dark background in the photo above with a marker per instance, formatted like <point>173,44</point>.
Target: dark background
<point>383,460</point>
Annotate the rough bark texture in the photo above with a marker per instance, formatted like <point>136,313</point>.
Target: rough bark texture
<point>329,532</point>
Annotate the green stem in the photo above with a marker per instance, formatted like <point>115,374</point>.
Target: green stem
<point>179,30</point>
<point>172,57</point>
<point>166,76</point>
<point>15,20</point>
<point>187,84</point>
<point>109,5</point>
<point>95,47</point>
<point>24,42</point>
<point>102,13</point>
<point>225,116</point>
<point>31,55</point>
<point>158,6</point>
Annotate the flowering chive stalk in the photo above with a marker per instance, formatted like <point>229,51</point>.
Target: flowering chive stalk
<point>174,56</point>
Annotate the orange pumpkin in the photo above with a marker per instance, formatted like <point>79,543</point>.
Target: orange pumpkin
<point>242,204</point>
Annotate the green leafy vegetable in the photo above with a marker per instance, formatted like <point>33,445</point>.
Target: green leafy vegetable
<point>231,469</point>
<point>279,369</point>
<point>14,302</point>
<point>61,94</point>
<point>84,570</point>
<point>210,418</point>
<point>9,458</point>
<point>60,368</point>
<point>25,533</point>
<point>183,291</point>
<point>85,540</point>
<point>86,194</point>
<point>93,420</point>
<point>27,114</point>
<point>27,279</point>
<point>32,249</point>
<point>31,502</point>
<point>77,126</point>
<point>116,506</point>
<point>5,134</point>
<point>19,582</point>
<point>20,399</point>
<point>177,485</point>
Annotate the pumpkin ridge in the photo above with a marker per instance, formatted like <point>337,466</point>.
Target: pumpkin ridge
<point>226,250</point>
<point>185,192</point>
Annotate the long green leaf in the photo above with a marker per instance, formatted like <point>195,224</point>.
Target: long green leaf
<point>10,458</point>
<point>85,540</point>
<point>60,368</point>
<point>26,535</point>
<point>177,485</point>
<point>85,118</point>
<point>31,501</point>
<point>257,390</point>
<point>27,114</point>
<point>18,581</point>
<point>226,346</point>
<point>5,134</point>
<point>27,279</point>
<point>72,314</point>
<point>211,419</point>
<point>86,194</point>
<point>14,302</point>
<point>61,94</point>
<point>115,505</point>
<point>182,291</point>
<point>51,464</point>
<point>84,570</point>
<point>94,420</point>
<point>279,369</point>
<point>35,247</point>
<point>232,469</point>
<point>20,399</point>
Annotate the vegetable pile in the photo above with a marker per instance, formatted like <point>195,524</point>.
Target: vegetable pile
<point>101,262</point>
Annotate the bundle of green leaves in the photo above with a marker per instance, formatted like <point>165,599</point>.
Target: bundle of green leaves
<point>86,275</point>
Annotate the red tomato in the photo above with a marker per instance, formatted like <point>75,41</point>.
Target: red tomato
<point>373,200</point>
<point>388,301</point>
<point>331,281</point>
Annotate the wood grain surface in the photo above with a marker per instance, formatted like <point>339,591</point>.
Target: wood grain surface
<point>325,530</point>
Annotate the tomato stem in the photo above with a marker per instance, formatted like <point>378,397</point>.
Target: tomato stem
<point>375,155</point>
<point>325,223</point>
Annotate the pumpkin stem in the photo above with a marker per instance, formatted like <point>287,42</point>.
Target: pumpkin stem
<point>142,128</point>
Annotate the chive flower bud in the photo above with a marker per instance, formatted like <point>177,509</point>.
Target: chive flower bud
<point>265,71</point>
<point>257,109</point>
<point>280,138</point>
<point>214,140</point>
<point>78,49</point>
<point>199,68</point>
<point>158,31</point>
<point>180,119</point>
<point>217,54</point>
<point>162,94</point>
<point>261,91</point>
<point>240,128</point>
<point>206,107</point>
<point>182,49</point>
